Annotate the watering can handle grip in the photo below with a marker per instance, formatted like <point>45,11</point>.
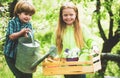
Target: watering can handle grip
<point>31,36</point>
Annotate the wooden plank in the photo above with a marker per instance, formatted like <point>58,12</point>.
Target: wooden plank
<point>68,70</point>
<point>57,63</point>
<point>97,66</point>
<point>96,58</point>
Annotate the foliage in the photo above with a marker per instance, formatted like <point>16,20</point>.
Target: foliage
<point>3,1</point>
<point>3,24</point>
<point>108,24</point>
<point>113,71</point>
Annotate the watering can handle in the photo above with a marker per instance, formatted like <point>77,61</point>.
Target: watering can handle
<point>31,36</point>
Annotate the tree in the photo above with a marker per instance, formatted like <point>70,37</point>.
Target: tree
<point>113,36</point>
<point>11,7</point>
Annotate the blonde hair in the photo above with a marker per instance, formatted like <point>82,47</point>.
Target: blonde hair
<point>24,6</point>
<point>62,25</point>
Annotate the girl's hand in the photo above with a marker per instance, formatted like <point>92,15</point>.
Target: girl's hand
<point>95,49</point>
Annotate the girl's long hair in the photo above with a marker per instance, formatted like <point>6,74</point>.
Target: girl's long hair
<point>62,25</point>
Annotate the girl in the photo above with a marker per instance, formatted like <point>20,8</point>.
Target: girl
<point>18,26</point>
<point>69,36</point>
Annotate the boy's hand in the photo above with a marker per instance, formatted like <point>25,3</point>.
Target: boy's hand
<point>24,31</point>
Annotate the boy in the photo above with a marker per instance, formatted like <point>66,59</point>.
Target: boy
<point>19,26</point>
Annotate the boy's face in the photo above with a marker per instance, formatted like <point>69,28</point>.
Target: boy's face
<point>24,17</point>
<point>68,16</point>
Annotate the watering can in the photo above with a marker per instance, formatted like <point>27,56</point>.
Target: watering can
<point>28,56</point>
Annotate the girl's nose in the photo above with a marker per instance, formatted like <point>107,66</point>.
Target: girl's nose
<point>68,16</point>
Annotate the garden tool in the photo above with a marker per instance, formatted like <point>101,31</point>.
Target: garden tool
<point>28,56</point>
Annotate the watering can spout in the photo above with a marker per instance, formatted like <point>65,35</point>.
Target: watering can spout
<point>52,52</point>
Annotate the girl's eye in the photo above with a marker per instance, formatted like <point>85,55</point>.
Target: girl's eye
<point>65,15</point>
<point>71,14</point>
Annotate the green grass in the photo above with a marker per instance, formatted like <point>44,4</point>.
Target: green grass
<point>4,70</point>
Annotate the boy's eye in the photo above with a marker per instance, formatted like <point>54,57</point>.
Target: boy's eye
<point>28,14</point>
<point>25,13</point>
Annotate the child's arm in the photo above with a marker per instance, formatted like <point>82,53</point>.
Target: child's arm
<point>90,40</point>
<point>16,35</point>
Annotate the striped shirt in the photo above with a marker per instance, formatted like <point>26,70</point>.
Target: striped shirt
<point>14,26</point>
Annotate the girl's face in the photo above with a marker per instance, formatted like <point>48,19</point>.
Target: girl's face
<point>24,17</point>
<point>68,15</point>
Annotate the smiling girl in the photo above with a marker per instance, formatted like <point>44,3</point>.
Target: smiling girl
<point>69,36</point>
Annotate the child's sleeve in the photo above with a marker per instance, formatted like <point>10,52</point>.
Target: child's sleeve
<point>10,28</point>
